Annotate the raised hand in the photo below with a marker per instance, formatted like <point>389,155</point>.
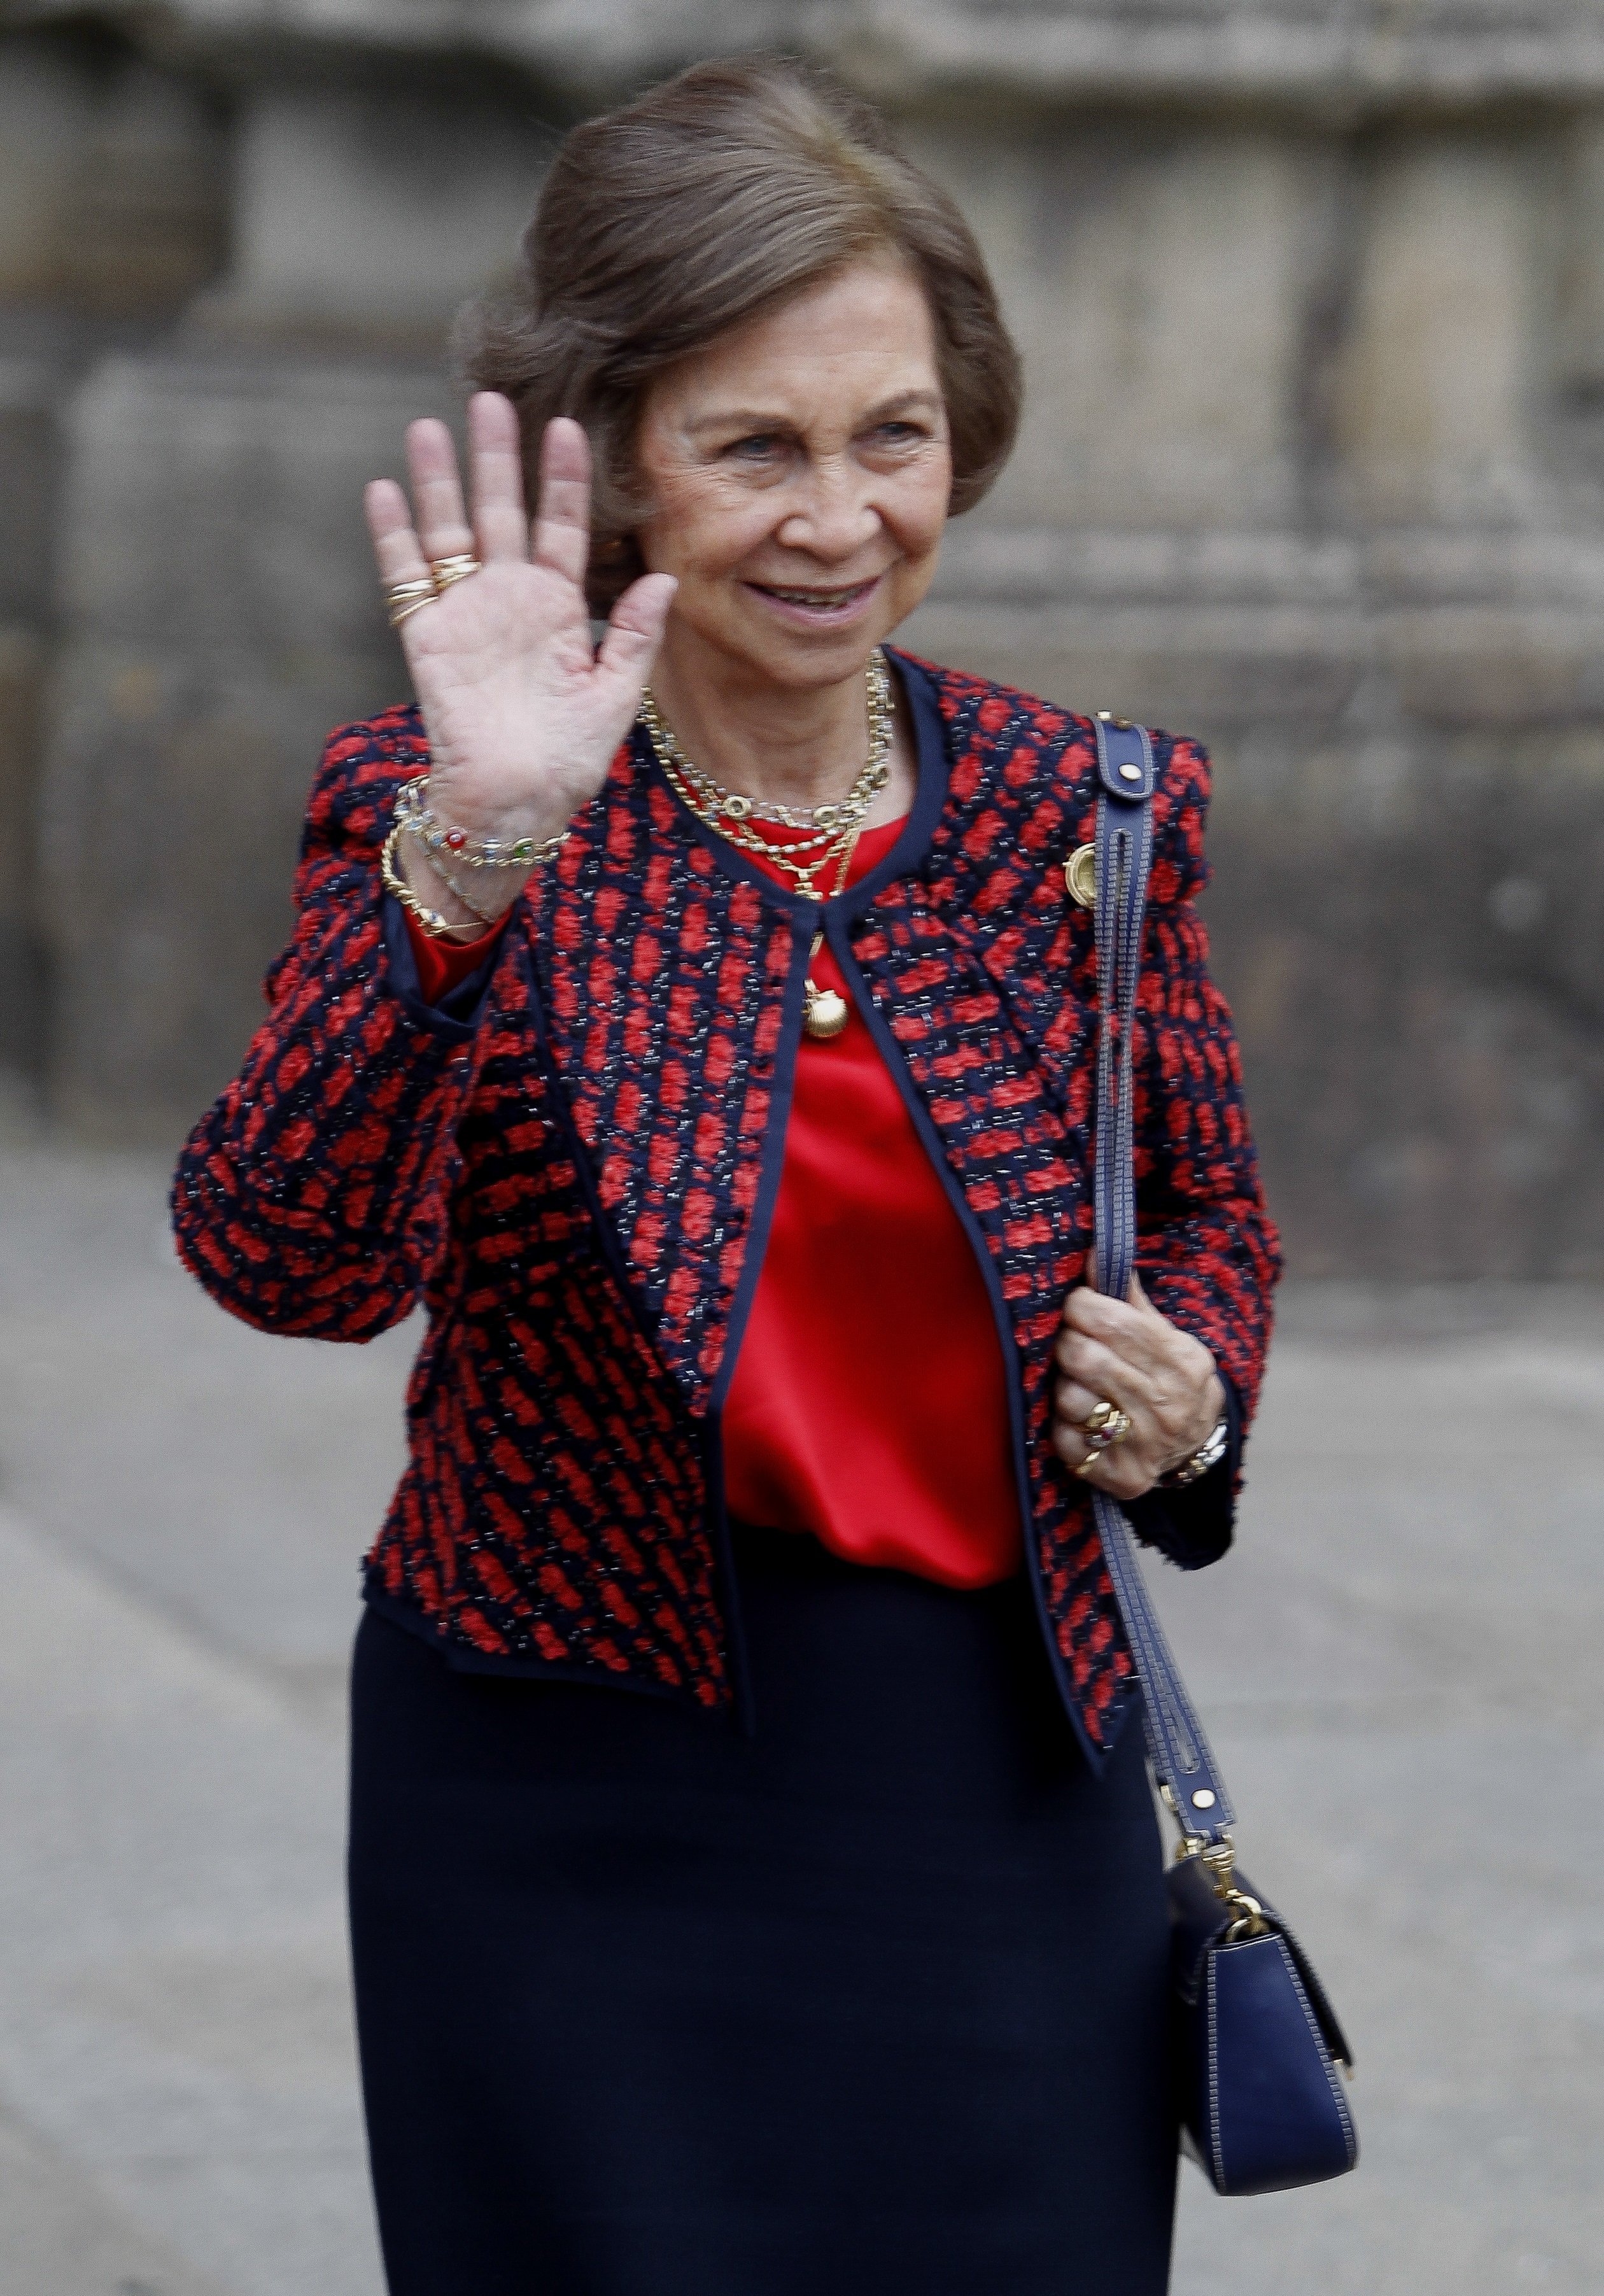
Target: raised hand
<point>523,715</point>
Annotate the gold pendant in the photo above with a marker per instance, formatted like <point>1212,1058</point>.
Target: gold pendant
<point>823,1012</point>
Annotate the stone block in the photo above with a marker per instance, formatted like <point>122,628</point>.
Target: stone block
<point>111,185</point>
<point>225,618</point>
<point>213,508</point>
<point>1156,278</point>
<point>22,990</point>
<point>29,471</point>
<point>1355,62</point>
<point>1435,381</point>
<point>48,103</point>
<point>371,214</point>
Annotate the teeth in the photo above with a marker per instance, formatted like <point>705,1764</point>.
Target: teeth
<point>815,597</point>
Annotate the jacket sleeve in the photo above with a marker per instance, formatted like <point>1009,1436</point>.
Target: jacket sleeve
<point>1208,1253</point>
<point>312,1197</point>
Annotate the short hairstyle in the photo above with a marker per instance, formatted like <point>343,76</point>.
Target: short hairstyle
<point>715,196</point>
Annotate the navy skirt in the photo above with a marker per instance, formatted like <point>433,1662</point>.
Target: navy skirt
<point>872,2000</point>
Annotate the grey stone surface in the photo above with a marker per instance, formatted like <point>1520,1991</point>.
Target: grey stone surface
<point>436,194</point>
<point>1398,1664</point>
<point>22,939</point>
<point>226,619</point>
<point>1348,56</point>
<point>111,187</point>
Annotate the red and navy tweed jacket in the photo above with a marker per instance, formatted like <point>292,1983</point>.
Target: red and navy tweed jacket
<point>577,1178</point>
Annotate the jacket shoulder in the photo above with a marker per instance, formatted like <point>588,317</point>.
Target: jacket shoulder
<point>1002,736</point>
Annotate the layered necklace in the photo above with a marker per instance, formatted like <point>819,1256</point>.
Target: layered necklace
<point>829,832</point>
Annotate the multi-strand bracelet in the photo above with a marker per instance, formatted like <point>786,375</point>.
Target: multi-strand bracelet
<point>442,845</point>
<point>413,812</point>
<point>427,920</point>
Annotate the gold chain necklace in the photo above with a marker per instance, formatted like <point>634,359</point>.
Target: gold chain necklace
<point>831,830</point>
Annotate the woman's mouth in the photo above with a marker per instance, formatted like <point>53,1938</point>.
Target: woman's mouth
<point>813,604</point>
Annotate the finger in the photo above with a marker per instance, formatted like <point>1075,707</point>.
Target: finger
<point>1123,1470</point>
<point>396,551</point>
<point>1143,1340</point>
<point>431,462</point>
<point>635,631</point>
<point>1075,1402</point>
<point>1074,1452</point>
<point>1122,1474</point>
<point>1110,1376</point>
<point>1107,1318</point>
<point>562,515</point>
<point>1074,1406</point>
<point>495,474</point>
<point>1133,1346</point>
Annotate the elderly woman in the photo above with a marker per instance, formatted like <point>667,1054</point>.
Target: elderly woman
<point>755,1885</point>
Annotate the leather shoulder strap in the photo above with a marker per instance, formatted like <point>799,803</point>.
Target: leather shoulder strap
<point>1182,1758</point>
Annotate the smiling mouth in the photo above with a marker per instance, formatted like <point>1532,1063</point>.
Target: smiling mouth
<point>818,600</point>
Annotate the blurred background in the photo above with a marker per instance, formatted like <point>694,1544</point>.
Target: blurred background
<point>1311,294</point>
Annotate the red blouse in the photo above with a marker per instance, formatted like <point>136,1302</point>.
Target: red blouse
<point>869,1400</point>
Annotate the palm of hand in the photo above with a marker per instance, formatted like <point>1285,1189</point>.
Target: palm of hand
<point>521,727</point>
<point>523,713</point>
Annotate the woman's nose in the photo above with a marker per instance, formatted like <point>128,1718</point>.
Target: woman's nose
<point>832,515</point>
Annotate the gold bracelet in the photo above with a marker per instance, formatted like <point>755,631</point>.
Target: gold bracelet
<point>428,920</point>
<point>437,867</point>
<point>438,837</point>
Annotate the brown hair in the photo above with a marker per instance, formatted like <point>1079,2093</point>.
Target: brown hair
<point>708,199</point>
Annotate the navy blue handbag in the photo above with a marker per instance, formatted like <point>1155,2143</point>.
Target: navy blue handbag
<point>1257,2047</point>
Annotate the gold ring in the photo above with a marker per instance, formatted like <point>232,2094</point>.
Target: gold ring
<point>455,568</point>
<point>404,598</point>
<point>1104,1425</point>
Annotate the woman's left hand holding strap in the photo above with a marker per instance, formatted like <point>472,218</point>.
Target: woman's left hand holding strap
<point>1123,1354</point>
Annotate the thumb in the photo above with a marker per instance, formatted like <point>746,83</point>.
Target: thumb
<point>1137,1297</point>
<point>635,631</point>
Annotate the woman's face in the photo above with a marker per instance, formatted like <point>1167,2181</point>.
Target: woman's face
<point>799,470</point>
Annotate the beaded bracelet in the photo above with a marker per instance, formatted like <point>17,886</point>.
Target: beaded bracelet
<point>430,920</point>
<point>413,812</point>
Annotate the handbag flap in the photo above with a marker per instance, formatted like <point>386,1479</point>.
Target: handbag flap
<point>1199,1920</point>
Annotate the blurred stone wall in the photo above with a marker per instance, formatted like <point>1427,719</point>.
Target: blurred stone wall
<point>1311,300</point>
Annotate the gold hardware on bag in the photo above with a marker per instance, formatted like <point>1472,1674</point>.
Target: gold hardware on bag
<point>1218,1861</point>
<point>1080,876</point>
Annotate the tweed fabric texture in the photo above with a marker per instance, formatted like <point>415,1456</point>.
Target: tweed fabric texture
<point>578,1186</point>
<point>988,978</point>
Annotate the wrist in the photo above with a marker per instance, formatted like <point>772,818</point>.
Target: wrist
<point>1208,1454</point>
<point>532,826</point>
<point>1213,1414</point>
<point>428,883</point>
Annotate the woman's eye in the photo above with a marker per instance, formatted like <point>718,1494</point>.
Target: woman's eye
<point>900,434</point>
<point>759,448</point>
